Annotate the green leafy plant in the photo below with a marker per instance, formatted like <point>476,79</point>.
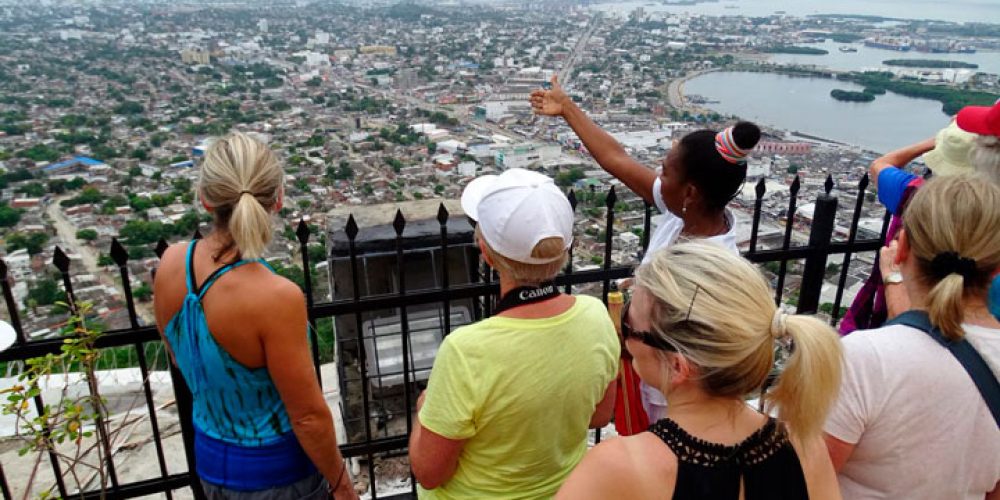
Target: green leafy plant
<point>64,428</point>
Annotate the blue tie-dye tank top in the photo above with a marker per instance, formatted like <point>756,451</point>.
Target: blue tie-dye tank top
<point>232,403</point>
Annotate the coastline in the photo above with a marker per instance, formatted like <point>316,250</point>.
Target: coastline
<point>677,87</point>
<point>675,90</point>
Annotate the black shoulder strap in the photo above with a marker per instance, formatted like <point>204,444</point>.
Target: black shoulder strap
<point>975,366</point>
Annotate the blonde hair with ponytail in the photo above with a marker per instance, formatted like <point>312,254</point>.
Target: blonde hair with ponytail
<point>241,181</point>
<point>955,214</point>
<point>717,310</point>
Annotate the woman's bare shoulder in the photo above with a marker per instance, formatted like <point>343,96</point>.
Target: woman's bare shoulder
<point>271,289</point>
<point>174,256</point>
<point>625,467</point>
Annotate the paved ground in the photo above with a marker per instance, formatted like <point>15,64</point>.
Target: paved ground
<point>566,73</point>
<point>67,233</point>
<point>132,443</point>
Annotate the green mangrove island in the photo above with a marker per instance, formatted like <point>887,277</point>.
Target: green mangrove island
<point>852,96</point>
<point>929,63</point>
<point>794,49</point>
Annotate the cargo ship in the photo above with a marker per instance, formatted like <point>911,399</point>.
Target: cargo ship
<point>943,47</point>
<point>896,44</point>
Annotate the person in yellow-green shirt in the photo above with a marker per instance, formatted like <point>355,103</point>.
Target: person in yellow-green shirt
<point>511,398</point>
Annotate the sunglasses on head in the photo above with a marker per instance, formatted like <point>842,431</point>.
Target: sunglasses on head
<point>649,338</point>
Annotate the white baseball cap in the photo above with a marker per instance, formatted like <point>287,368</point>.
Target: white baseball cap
<point>516,210</point>
<point>7,335</point>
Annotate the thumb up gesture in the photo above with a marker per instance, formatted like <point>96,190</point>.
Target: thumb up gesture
<point>549,102</point>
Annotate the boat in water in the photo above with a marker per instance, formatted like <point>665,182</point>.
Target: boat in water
<point>845,48</point>
<point>897,44</point>
<point>943,47</point>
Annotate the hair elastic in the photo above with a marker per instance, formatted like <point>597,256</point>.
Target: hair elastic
<point>946,263</point>
<point>778,328</point>
<point>725,144</point>
<point>246,192</point>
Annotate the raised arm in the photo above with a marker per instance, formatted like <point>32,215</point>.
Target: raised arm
<point>898,158</point>
<point>897,301</point>
<point>289,363</point>
<point>610,155</point>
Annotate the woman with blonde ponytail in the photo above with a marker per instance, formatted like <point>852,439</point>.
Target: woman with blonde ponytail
<point>703,329</point>
<point>910,421</point>
<point>237,332</point>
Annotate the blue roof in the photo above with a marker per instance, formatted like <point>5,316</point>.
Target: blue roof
<point>76,160</point>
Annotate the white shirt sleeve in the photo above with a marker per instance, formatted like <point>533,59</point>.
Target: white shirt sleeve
<point>861,390</point>
<point>658,195</point>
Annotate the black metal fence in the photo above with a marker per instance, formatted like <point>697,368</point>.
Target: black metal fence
<point>480,290</point>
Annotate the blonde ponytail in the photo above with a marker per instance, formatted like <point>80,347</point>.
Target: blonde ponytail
<point>952,228</point>
<point>250,227</point>
<point>241,181</point>
<point>809,383</point>
<point>717,310</point>
<point>944,306</point>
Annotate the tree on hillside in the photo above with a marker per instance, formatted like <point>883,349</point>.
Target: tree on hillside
<point>9,217</point>
<point>33,242</point>
<point>143,292</point>
<point>129,108</point>
<point>86,235</point>
<point>45,292</point>
<point>569,177</point>
<point>105,260</point>
<point>33,189</point>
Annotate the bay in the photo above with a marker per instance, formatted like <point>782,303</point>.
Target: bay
<point>870,58</point>
<point>980,11</point>
<point>804,105</point>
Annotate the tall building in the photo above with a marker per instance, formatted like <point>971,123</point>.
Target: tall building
<point>406,78</point>
<point>526,155</point>
<point>385,50</point>
<point>262,25</point>
<point>195,55</point>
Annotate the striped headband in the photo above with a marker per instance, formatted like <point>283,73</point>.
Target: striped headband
<point>725,144</point>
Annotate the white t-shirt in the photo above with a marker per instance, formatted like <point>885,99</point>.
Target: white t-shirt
<point>921,429</point>
<point>667,228</point>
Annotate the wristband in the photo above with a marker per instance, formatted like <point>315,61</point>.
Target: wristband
<point>340,477</point>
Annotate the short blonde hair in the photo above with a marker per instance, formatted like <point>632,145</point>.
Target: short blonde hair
<point>985,157</point>
<point>241,180</point>
<point>959,214</point>
<point>530,274</point>
<point>717,310</point>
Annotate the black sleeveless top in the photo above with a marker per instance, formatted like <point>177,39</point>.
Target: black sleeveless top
<point>765,461</point>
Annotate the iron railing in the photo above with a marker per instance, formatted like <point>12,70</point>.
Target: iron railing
<point>480,289</point>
